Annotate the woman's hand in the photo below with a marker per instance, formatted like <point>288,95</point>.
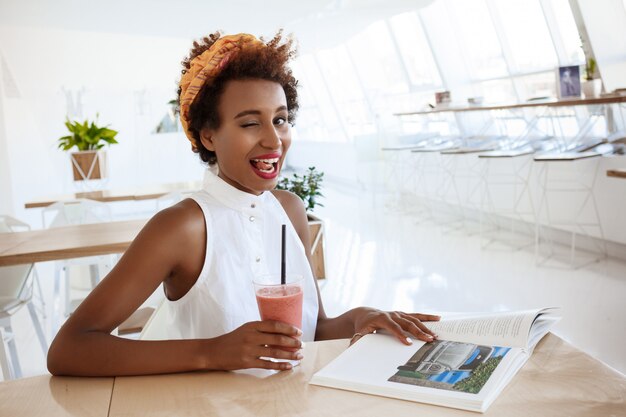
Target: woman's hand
<point>244,347</point>
<point>367,320</point>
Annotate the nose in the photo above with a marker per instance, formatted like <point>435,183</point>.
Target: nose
<point>271,138</point>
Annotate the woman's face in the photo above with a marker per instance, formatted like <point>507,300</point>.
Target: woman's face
<point>253,136</point>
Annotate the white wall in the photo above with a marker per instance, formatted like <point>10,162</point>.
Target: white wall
<point>6,194</point>
<point>127,79</point>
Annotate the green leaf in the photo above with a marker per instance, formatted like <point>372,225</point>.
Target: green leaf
<point>306,186</point>
<point>86,135</point>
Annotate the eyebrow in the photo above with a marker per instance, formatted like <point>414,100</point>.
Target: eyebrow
<point>256,112</point>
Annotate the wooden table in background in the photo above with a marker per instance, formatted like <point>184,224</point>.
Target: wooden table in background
<point>138,193</point>
<point>68,242</point>
<point>616,173</point>
<point>558,380</point>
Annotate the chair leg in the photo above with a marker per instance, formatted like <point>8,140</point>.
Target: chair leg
<point>17,370</point>
<point>4,362</point>
<point>42,301</point>
<point>38,329</point>
<point>68,287</point>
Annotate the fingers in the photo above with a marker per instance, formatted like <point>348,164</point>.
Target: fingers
<point>418,323</point>
<point>271,326</point>
<point>266,364</point>
<point>415,327</point>
<point>276,340</point>
<point>425,317</point>
<point>391,324</point>
<point>286,342</point>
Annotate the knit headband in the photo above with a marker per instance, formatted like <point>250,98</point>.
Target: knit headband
<point>204,68</point>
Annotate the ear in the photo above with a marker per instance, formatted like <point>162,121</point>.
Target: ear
<point>206,137</point>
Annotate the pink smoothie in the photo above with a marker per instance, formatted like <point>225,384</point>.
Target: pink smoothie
<point>281,304</point>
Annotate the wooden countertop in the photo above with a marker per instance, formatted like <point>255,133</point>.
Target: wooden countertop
<point>129,194</point>
<point>558,380</point>
<point>609,99</point>
<point>68,242</point>
<point>616,173</point>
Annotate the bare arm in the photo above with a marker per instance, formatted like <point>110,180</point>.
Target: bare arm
<point>169,249</point>
<point>361,319</point>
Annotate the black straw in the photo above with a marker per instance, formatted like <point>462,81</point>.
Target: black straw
<point>283,279</point>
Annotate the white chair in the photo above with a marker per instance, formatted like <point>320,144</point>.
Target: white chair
<point>80,273</point>
<point>155,328</point>
<point>11,224</point>
<point>16,291</point>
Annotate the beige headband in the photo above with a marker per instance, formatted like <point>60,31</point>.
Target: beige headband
<point>204,68</point>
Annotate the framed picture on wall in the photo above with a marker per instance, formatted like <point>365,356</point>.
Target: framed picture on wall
<point>442,98</point>
<point>568,84</point>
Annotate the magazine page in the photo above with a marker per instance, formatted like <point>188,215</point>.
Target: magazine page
<point>504,329</point>
<point>546,318</point>
<point>447,373</point>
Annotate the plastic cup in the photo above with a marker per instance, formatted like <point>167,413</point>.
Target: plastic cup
<point>280,302</point>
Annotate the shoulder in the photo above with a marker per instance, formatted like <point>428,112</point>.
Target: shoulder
<point>177,227</point>
<point>292,204</point>
<point>182,217</point>
<point>294,207</point>
<point>289,200</point>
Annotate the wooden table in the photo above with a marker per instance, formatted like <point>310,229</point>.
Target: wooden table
<point>129,194</point>
<point>46,396</point>
<point>68,242</point>
<point>608,99</point>
<point>617,173</point>
<point>558,380</point>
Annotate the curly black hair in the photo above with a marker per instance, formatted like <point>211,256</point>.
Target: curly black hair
<point>269,63</point>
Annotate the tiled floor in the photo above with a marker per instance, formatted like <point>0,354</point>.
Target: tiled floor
<point>380,256</point>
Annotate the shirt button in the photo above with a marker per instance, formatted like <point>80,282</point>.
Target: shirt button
<point>251,218</point>
<point>258,259</point>
<point>252,205</point>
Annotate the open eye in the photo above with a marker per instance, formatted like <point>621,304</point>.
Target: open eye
<point>281,120</point>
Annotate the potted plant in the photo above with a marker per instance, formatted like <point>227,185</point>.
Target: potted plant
<point>89,162</point>
<point>592,86</point>
<point>307,187</point>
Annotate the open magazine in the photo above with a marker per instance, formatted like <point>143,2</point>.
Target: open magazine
<point>475,357</point>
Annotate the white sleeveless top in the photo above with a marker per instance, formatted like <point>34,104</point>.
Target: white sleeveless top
<point>243,241</point>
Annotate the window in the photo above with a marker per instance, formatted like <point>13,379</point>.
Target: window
<point>568,32</point>
<point>502,50</point>
<point>415,51</point>
<point>536,85</point>
<point>478,38</point>
<point>526,34</point>
<point>377,61</point>
<point>318,119</point>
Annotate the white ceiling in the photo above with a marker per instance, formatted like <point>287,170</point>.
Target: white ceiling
<point>315,23</point>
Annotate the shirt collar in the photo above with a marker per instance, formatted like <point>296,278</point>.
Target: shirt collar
<point>231,196</point>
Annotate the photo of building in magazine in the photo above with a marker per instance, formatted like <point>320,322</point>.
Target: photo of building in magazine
<point>448,365</point>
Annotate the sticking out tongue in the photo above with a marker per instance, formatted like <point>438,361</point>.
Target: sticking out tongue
<point>261,165</point>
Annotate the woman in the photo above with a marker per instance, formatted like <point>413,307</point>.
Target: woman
<point>237,99</point>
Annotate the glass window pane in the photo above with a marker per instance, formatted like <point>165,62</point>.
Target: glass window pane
<point>527,34</point>
<point>568,32</point>
<point>339,73</point>
<point>495,91</point>
<point>416,53</point>
<point>478,38</point>
<point>536,85</point>
<point>322,121</point>
<point>377,61</point>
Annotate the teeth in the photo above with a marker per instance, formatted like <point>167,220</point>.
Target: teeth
<point>267,161</point>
